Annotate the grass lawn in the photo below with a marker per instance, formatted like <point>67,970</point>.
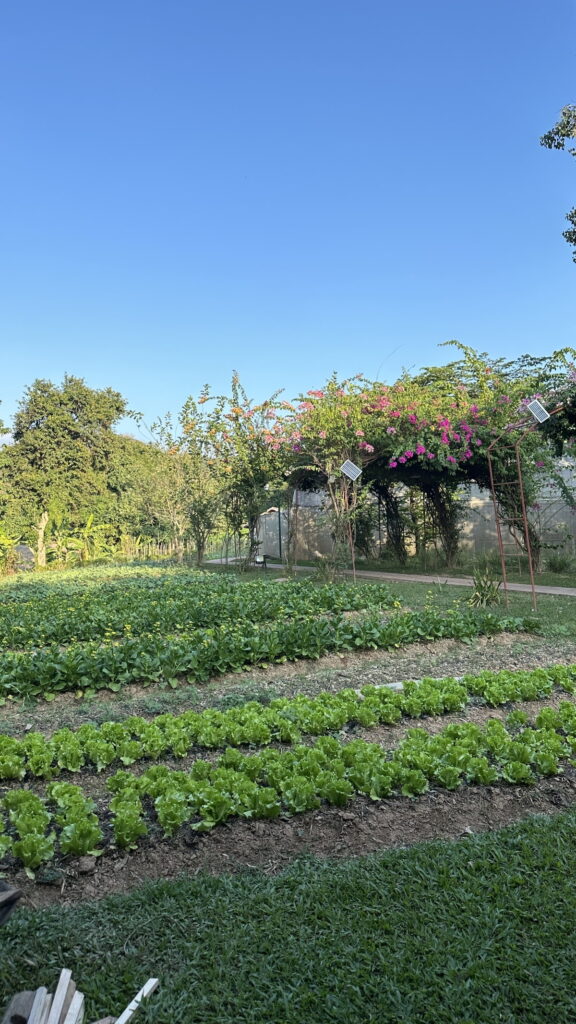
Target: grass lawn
<point>476,932</point>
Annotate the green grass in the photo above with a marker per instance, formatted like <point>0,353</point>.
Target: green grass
<point>474,932</point>
<point>517,569</point>
<point>556,615</point>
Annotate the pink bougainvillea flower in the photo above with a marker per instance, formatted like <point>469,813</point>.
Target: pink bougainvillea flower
<point>456,436</point>
<point>468,454</point>
<point>359,433</point>
<point>478,441</point>
<point>450,458</point>
<point>445,439</point>
<point>539,463</point>
<point>344,413</point>
<point>431,455</point>
<point>391,430</point>
<point>366,447</point>
<point>413,418</point>
<point>322,434</point>
<point>392,464</point>
<point>420,450</point>
<point>395,413</point>
<point>401,459</point>
<point>316,394</point>
<point>409,453</point>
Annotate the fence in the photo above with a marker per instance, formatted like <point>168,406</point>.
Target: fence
<point>553,518</point>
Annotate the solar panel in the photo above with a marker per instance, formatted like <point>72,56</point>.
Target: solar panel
<point>538,411</point>
<point>350,469</point>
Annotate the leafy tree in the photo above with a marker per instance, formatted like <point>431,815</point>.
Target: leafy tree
<point>230,440</point>
<point>131,465</point>
<point>563,131</point>
<point>186,494</point>
<point>57,464</point>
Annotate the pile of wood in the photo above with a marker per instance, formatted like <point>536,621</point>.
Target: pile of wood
<point>66,1005</point>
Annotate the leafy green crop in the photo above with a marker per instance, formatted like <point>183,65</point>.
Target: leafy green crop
<point>203,653</point>
<point>283,720</point>
<point>272,781</point>
<point>297,780</point>
<point>171,604</point>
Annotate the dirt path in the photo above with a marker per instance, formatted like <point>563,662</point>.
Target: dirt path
<point>403,577</point>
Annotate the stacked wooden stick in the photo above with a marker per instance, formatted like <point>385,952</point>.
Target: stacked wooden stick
<point>65,1005</point>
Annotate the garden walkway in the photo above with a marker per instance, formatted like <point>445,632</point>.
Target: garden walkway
<point>404,577</point>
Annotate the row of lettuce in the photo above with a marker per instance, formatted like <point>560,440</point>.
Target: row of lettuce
<point>163,800</point>
<point>201,654</point>
<point>173,603</point>
<point>284,720</point>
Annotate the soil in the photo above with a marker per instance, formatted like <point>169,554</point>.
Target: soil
<point>363,827</point>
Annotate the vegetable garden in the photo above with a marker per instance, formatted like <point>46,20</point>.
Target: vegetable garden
<point>110,792</point>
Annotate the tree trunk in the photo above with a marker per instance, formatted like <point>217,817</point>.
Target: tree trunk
<point>395,525</point>
<point>416,521</point>
<point>445,512</point>
<point>200,544</point>
<point>41,543</point>
<point>253,542</point>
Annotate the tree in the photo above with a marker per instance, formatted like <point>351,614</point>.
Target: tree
<point>230,441</point>
<point>187,492</point>
<point>556,138</point>
<point>57,464</point>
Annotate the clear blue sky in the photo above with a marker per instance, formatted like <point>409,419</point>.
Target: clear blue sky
<point>284,187</point>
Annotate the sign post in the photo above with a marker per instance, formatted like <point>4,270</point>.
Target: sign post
<point>352,472</point>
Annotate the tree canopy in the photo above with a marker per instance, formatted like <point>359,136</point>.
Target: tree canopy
<point>71,483</point>
<point>557,138</point>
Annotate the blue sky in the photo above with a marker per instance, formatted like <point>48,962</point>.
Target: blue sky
<point>283,187</point>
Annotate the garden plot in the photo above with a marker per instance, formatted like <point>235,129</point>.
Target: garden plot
<point>151,792</point>
<point>287,761</point>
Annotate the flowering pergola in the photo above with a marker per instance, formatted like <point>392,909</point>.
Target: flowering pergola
<point>429,435</point>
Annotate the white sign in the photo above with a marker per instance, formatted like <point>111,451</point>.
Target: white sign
<point>538,411</point>
<point>350,469</point>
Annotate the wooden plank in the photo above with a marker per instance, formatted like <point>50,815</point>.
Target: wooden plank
<point>146,990</point>
<point>75,1013</point>
<point>37,1011</point>
<point>46,1009</point>
<point>19,1008</point>
<point>69,996</point>
<point>59,996</point>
